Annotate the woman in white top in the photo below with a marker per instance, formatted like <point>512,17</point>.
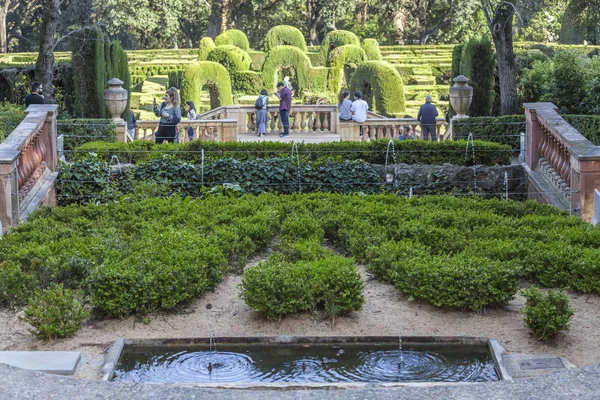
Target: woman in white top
<point>345,106</point>
<point>190,109</point>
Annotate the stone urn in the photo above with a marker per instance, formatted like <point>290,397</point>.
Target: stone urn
<point>115,98</point>
<point>461,95</point>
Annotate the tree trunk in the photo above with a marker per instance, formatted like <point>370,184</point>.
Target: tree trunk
<point>502,34</point>
<point>45,60</point>
<point>174,41</point>
<point>313,20</point>
<point>217,20</point>
<point>4,4</point>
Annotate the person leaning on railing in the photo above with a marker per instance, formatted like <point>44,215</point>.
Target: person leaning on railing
<point>170,115</point>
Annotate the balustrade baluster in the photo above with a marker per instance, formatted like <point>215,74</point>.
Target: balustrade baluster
<point>544,142</point>
<point>294,126</point>
<point>303,120</point>
<point>326,116</point>
<point>318,121</point>
<point>272,122</point>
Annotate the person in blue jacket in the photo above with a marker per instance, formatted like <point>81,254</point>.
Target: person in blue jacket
<point>427,117</point>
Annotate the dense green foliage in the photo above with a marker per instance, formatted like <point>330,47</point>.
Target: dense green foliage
<point>234,37</point>
<point>77,132</point>
<point>337,59</point>
<point>288,57</point>
<point>374,152</point>
<point>338,38</point>
<point>247,82</point>
<point>231,57</point>
<point>205,47</point>
<point>11,115</point>
<point>371,48</point>
<point>506,129</point>
<point>209,74</point>
<point>284,35</point>
<point>478,63</point>
<point>546,314</point>
<point>55,312</point>
<point>381,86</point>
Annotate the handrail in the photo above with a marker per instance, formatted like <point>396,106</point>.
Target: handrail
<point>392,127</point>
<point>204,130</point>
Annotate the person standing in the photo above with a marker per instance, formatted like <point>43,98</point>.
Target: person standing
<point>35,96</point>
<point>359,108</point>
<point>170,115</point>
<point>427,117</point>
<point>262,114</point>
<point>285,103</point>
<point>131,123</point>
<point>345,106</point>
<point>190,109</point>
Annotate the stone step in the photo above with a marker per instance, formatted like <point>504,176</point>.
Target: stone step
<point>52,362</point>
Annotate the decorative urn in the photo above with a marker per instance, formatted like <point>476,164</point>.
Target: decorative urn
<point>461,95</point>
<point>115,98</point>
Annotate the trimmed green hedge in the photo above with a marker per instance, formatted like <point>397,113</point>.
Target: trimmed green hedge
<point>371,48</point>
<point>338,38</point>
<point>207,73</point>
<point>337,59</point>
<point>205,47</point>
<point>505,129</point>
<point>286,56</point>
<point>587,125</point>
<point>317,79</point>
<point>374,152</point>
<point>234,37</point>
<point>478,63</point>
<point>231,57</point>
<point>381,86</point>
<point>78,132</point>
<point>11,115</point>
<point>249,82</point>
<point>284,35</point>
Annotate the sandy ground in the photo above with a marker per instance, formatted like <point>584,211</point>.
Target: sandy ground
<point>385,312</point>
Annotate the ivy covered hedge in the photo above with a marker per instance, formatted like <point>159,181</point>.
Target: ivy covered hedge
<point>374,152</point>
<point>337,59</point>
<point>211,74</point>
<point>139,253</point>
<point>381,86</point>
<point>286,56</point>
<point>338,38</point>
<point>234,37</point>
<point>284,35</point>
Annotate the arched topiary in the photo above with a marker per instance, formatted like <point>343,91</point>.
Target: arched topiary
<point>338,38</point>
<point>371,48</point>
<point>286,56</point>
<point>206,46</point>
<point>282,35</point>
<point>381,86</point>
<point>209,74</point>
<point>338,57</point>
<point>231,57</point>
<point>234,37</point>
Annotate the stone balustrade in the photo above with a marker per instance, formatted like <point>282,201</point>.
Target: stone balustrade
<point>389,128</point>
<point>564,167</point>
<point>28,161</point>
<point>223,130</point>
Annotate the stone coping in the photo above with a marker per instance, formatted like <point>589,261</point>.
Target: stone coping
<point>17,384</point>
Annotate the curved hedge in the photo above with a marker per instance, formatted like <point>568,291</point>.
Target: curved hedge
<point>284,35</point>
<point>338,57</point>
<point>231,57</point>
<point>371,48</point>
<point>381,86</point>
<point>211,74</point>
<point>286,56</point>
<point>338,38</point>
<point>234,37</point>
<point>205,47</point>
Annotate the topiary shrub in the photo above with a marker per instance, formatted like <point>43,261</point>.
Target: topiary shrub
<point>337,59</point>
<point>11,116</point>
<point>317,81</point>
<point>381,86</point>
<point>231,57</point>
<point>205,47</point>
<point>546,314</point>
<point>210,74</point>
<point>15,285</point>
<point>371,48</point>
<point>286,57</point>
<point>284,35</point>
<point>55,312</point>
<point>234,37</point>
<point>478,63</point>
<point>338,38</point>
<point>248,82</point>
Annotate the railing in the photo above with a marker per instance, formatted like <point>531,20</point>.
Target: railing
<point>28,159</point>
<point>205,130</point>
<point>391,128</point>
<point>303,119</point>
<point>564,167</point>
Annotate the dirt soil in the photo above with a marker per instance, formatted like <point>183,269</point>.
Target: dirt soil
<point>385,312</point>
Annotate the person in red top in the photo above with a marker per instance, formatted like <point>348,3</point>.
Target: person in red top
<point>285,103</point>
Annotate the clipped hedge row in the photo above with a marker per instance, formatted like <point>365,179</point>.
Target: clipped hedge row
<point>231,57</point>
<point>211,74</point>
<point>381,86</point>
<point>288,56</point>
<point>337,59</point>
<point>206,46</point>
<point>78,132</point>
<point>11,115</point>
<point>371,48</point>
<point>234,37</point>
<point>374,152</point>
<point>335,39</point>
<point>284,35</point>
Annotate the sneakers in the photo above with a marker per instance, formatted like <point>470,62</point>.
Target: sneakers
<point>284,135</point>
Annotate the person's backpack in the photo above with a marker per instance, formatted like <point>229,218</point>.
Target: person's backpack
<point>258,104</point>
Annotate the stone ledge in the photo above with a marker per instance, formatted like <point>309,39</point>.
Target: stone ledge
<point>53,362</point>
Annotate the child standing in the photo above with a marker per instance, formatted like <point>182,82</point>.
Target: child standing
<point>190,109</point>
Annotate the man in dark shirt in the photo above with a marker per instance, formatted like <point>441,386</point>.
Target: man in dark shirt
<point>35,97</point>
<point>427,117</point>
<point>285,103</point>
